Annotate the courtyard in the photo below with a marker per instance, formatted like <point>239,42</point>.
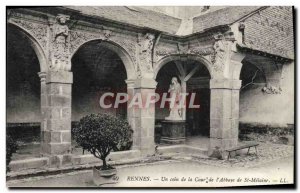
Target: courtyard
<point>272,164</point>
<point>170,173</point>
<point>68,64</point>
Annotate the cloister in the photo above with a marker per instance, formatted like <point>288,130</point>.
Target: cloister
<point>60,58</point>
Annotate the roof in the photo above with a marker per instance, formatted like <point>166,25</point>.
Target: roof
<point>158,21</point>
<point>221,17</point>
<point>134,16</point>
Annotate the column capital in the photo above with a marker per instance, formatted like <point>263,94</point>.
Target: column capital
<point>59,77</point>
<point>42,76</point>
<point>225,84</point>
<point>145,83</point>
<point>130,83</point>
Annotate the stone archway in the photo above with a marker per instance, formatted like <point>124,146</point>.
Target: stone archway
<point>98,67</point>
<point>39,51</point>
<point>26,63</point>
<point>96,71</point>
<point>113,46</point>
<point>194,74</point>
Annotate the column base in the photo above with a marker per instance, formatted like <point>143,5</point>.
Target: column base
<point>55,148</point>
<point>218,146</point>
<point>58,154</point>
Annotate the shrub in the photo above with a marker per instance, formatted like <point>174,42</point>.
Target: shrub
<point>101,133</point>
<point>11,147</point>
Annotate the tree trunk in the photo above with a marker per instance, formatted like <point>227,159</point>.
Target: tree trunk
<point>104,166</point>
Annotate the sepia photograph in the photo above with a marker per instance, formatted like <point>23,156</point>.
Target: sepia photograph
<point>150,97</point>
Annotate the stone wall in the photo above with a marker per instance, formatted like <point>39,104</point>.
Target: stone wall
<point>275,109</point>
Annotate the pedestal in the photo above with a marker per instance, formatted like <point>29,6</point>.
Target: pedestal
<point>173,132</point>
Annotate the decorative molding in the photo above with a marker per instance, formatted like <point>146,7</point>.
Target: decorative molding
<point>128,44</point>
<point>78,38</point>
<point>37,30</point>
<point>185,49</point>
<point>201,51</point>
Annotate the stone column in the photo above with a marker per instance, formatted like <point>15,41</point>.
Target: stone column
<point>143,119</point>
<point>224,113</point>
<point>183,90</point>
<point>56,141</point>
<point>44,103</point>
<point>131,115</point>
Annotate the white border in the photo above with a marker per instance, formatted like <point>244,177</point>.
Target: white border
<point>4,3</point>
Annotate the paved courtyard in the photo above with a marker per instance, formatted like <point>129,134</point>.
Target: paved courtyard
<point>172,173</point>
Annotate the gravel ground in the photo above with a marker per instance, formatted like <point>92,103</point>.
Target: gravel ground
<point>266,152</point>
<point>171,173</point>
<point>274,163</point>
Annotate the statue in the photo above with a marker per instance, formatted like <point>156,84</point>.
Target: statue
<point>60,59</point>
<point>175,91</point>
<point>218,57</point>
<point>173,127</point>
<point>145,43</point>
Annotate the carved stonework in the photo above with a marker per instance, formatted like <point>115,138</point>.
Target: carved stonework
<point>184,49</point>
<point>269,89</point>
<point>145,43</point>
<point>37,30</point>
<point>222,49</point>
<point>60,59</point>
<point>201,51</point>
<point>78,38</point>
<point>164,52</point>
<point>130,46</point>
<point>219,54</point>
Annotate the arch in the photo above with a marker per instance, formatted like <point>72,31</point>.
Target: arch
<point>257,73</point>
<point>170,58</point>
<point>35,45</point>
<point>119,50</point>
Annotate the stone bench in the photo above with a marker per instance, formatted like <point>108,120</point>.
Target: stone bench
<point>249,145</point>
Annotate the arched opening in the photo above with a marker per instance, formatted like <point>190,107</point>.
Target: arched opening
<point>23,103</point>
<point>194,78</point>
<point>97,70</point>
<point>253,80</point>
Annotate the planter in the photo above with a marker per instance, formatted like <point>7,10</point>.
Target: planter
<point>101,177</point>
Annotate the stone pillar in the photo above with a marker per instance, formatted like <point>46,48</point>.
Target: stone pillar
<point>56,141</point>
<point>142,119</point>
<point>224,113</point>
<point>183,90</point>
<point>44,103</point>
<point>131,115</point>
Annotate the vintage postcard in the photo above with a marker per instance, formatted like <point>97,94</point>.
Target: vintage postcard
<point>150,96</point>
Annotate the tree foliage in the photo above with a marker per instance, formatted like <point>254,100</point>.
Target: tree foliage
<point>101,133</point>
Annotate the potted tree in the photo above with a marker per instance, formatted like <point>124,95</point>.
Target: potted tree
<point>100,134</point>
